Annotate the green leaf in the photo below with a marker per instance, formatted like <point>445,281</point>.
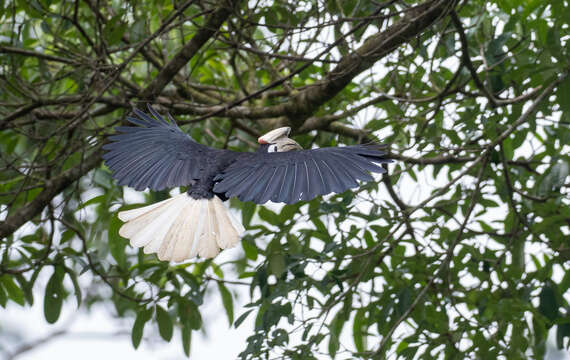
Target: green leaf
<point>563,95</point>
<point>96,200</point>
<point>335,327</point>
<point>559,173</point>
<point>3,297</point>
<point>227,301</point>
<point>540,335</point>
<point>249,247</point>
<point>138,30</point>
<point>13,290</point>
<point>186,338</point>
<point>247,211</point>
<point>114,30</point>
<point>508,148</point>
<point>53,300</point>
<point>165,327</point>
<point>562,332</point>
<point>359,330</point>
<point>276,263</point>
<point>26,287</point>
<point>117,244</point>
<point>548,305</point>
<point>241,318</point>
<point>66,236</point>
<point>553,43</point>
<point>401,347</point>
<point>269,216</point>
<point>76,287</point>
<point>554,179</point>
<point>288,212</point>
<point>142,318</point>
<point>217,270</point>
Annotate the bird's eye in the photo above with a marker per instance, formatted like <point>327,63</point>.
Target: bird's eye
<point>272,148</point>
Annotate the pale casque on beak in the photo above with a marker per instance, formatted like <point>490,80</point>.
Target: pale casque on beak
<point>271,136</point>
<point>280,138</point>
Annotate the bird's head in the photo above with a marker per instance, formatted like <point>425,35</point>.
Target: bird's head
<point>278,141</point>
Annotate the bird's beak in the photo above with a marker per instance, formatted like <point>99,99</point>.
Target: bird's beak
<point>273,135</point>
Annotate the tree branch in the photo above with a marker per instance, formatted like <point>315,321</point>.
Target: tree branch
<point>375,48</point>
<point>52,188</point>
<point>443,265</point>
<point>216,19</point>
<point>24,52</point>
<point>467,59</point>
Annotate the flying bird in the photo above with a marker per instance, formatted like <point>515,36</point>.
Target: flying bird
<point>157,154</point>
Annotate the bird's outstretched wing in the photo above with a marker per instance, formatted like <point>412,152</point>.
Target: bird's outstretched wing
<point>299,175</point>
<point>155,154</point>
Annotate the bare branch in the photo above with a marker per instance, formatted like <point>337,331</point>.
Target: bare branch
<point>216,19</point>
<point>52,188</point>
<point>19,51</point>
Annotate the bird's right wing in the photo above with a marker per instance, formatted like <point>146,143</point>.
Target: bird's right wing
<point>299,175</point>
<point>155,154</point>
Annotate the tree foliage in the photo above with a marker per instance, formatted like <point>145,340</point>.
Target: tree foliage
<point>461,249</point>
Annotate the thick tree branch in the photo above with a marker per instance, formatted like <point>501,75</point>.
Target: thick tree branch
<point>375,48</point>
<point>215,20</point>
<point>52,188</point>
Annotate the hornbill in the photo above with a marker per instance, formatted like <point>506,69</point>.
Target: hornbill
<point>156,154</point>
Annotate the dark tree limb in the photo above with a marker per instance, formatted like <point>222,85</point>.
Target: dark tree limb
<point>29,53</point>
<point>307,101</point>
<point>215,20</point>
<point>416,21</point>
<point>467,59</point>
<point>52,187</point>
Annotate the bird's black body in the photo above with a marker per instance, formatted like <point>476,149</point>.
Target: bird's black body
<point>158,155</point>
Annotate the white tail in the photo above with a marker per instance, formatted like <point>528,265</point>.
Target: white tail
<point>182,227</point>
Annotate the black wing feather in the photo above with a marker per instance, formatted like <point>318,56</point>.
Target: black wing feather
<point>354,170</point>
<point>274,187</point>
<point>318,184</point>
<point>295,186</point>
<point>270,187</point>
<point>235,180</point>
<point>299,175</point>
<point>346,181</point>
<point>287,184</point>
<point>244,186</point>
<point>156,154</point>
<point>261,178</point>
<point>304,183</point>
<point>130,171</point>
<point>332,178</point>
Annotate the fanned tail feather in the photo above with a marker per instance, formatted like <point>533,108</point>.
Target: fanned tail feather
<point>181,227</point>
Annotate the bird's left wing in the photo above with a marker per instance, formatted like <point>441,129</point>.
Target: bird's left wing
<point>155,154</point>
<point>299,175</point>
